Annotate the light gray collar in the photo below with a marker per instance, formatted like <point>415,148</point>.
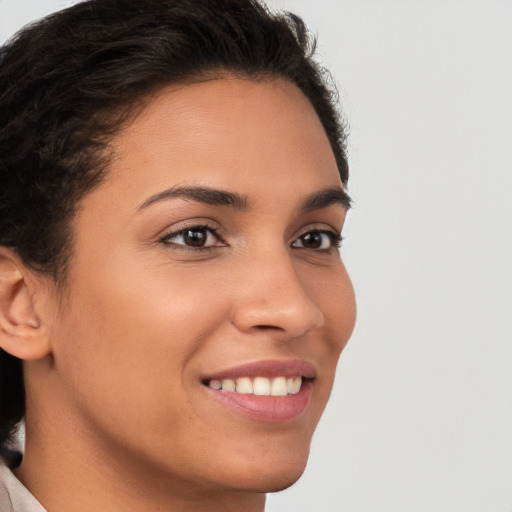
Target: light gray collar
<point>14,496</point>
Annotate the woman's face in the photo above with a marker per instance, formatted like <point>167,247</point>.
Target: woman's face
<point>207,258</point>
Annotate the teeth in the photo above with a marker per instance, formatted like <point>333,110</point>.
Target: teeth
<point>278,387</point>
<point>228,385</point>
<point>259,386</point>
<point>297,383</point>
<point>216,384</point>
<point>244,386</point>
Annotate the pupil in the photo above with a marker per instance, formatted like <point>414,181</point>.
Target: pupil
<point>195,237</point>
<point>312,240</point>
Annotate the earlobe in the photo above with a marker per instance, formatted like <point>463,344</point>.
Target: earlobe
<point>22,333</point>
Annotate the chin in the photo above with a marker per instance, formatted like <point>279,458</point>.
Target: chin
<point>283,484</point>
<point>272,474</point>
<point>270,483</point>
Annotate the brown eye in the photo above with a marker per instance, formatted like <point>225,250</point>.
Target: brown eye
<point>312,240</point>
<point>321,240</point>
<point>194,237</point>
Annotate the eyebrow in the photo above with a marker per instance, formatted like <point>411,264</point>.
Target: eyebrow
<point>205,195</point>
<point>315,201</point>
<point>324,198</point>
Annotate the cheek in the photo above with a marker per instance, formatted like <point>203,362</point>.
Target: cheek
<point>127,339</point>
<point>342,308</point>
<point>332,291</point>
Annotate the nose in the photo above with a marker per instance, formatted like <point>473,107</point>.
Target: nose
<point>272,298</point>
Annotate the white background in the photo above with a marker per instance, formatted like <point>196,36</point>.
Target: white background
<point>421,415</point>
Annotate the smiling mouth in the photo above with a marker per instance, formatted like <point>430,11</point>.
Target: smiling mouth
<point>268,390</point>
<point>258,386</point>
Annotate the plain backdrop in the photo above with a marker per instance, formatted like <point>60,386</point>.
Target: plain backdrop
<point>421,415</point>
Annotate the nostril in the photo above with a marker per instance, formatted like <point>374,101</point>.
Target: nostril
<point>290,314</point>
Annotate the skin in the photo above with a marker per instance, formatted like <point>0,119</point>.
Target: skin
<point>117,416</point>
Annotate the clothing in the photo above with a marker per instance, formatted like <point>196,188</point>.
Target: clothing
<point>14,496</point>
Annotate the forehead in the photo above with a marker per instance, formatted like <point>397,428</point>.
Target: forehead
<point>261,139</point>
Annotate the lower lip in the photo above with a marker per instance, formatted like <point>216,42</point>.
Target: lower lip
<point>273,409</point>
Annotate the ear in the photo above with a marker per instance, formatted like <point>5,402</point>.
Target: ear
<point>22,333</point>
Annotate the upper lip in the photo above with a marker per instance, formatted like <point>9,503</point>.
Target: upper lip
<point>267,368</point>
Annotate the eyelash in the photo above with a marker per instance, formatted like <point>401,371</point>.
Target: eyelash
<point>334,238</point>
<point>183,247</point>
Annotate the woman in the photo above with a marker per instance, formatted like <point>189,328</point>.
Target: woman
<point>173,302</point>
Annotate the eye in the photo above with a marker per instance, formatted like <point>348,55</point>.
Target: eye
<point>195,237</point>
<point>318,240</point>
